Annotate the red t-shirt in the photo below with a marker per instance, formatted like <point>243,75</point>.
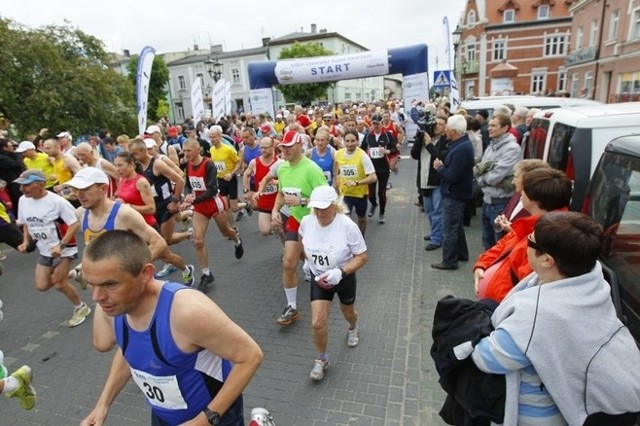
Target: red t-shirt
<point>268,197</point>
<point>128,192</point>
<point>304,121</point>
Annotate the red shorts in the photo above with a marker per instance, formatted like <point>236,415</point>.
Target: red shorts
<point>211,208</point>
<point>292,225</point>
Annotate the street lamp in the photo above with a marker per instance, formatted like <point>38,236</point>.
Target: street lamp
<point>214,68</point>
<point>462,83</point>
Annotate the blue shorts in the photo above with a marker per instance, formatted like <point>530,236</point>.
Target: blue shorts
<point>357,204</point>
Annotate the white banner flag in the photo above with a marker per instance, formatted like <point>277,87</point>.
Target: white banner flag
<point>415,88</point>
<point>261,101</point>
<point>218,99</point>
<point>197,104</point>
<point>143,76</point>
<point>455,94</point>
<point>227,99</point>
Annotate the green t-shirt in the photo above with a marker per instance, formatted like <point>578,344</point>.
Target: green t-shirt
<point>304,177</point>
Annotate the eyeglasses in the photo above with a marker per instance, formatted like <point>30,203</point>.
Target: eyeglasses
<point>531,243</point>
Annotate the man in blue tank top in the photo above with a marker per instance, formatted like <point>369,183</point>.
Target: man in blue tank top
<point>187,357</point>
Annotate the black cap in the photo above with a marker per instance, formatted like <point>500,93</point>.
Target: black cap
<point>376,118</point>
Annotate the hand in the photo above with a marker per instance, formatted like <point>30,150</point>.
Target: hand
<point>22,248</point>
<point>189,198</point>
<point>478,274</point>
<point>437,163</point>
<point>43,131</point>
<point>228,177</point>
<point>350,183</point>
<point>95,418</point>
<point>330,278</point>
<point>255,197</point>
<point>292,200</point>
<point>276,220</point>
<point>56,251</point>
<point>426,138</point>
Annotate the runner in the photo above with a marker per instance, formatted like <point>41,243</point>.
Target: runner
<point>207,204</point>
<point>133,189</point>
<point>297,177</point>
<point>50,220</point>
<point>323,154</point>
<point>263,198</point>
<point>335,250</point>
<point>98,215</point>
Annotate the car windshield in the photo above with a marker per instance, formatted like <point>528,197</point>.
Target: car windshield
<point>535,139</point>
<point>559,146</point>
<point>614,202</point>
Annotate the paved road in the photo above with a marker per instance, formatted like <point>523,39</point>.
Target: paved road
<point>388,379</point>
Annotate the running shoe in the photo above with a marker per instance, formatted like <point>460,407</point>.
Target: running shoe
<point>205,280</point>
<point>25,393</point>
<point>239,250</point>
<point>240,215</point>
<point>188,278</point>
<point>261,417</point>
<point>389,185</point>
<point>2,255</point>
<point>317,372</point>
<point>166,270</point>
<point>190,231</point>
<point>372,210</point>
<point>353,338</point>
<point>249,210</point>
<point>79,315</point>
<point>288,316</point>
<point>76,274</point>
<point>381,219</point>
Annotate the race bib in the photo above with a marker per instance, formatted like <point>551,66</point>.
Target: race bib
<point>270,189</point>
<point>322,259</point>
<point>160,391</point>
<point>197,183</point>
<point>327,175</point>
<point>219,166</point>
<point>166,191</point>
<point>376,152</point>
<point>349,172</point>
<point>44,233</point>
<point>292,195</point>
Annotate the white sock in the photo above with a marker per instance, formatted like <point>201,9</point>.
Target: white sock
<point>206,271</point>
<point>292,296</point>
<point>79,306</point>
<point>187,270</point>
<point>11,384</point>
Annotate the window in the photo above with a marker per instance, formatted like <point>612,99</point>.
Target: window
<point>588,83</point>
<point>499,50</point>
<point>235,75</point>
<point>575,92</point>
<point>613,24</point>
<point>201,77</point>
<point>538,81</point>
<point>635,25</point>
<point>555,45</point>
<point>182,84</point>
<point>543,11</point>
<point>347,96</point>
<point>470,52</point>
<point>471,18</point>
<point>562,80</point>
<point>358,96</point>
<point>509,15</point>
<point>180,110</point>
<point>593,34</point>
<point>579,38</point>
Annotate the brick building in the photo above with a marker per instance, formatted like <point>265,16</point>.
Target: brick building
<point>604,56</point>
<point>513,46</point>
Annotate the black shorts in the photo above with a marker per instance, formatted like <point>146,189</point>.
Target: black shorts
<point>11,235</point>
<point>52,262</point>
<point>228,188</point>
<point>162,214</point>
<point>357,204</point>
<point>346,290</point>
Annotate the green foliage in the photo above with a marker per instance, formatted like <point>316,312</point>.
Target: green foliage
<point>157,84</point>
<point>163,108</point>
<point>56,77</point>
<point>304,93</point>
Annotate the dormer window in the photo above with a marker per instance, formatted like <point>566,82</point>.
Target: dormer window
<point>543,11</point>
<point>471,18</point>
<point>509,15</point>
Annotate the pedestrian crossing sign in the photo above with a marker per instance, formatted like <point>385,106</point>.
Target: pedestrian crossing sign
<point>442,78</point>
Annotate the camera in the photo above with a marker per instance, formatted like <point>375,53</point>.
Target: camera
<point>426,124</point>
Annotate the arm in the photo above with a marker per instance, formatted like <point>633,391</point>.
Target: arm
<point>149,206</point>
<point>133,221</point>
<point>162,168</point>
<point>72,164</point>
<point>498,354</point>
<point>248,172</point>
<point>109,169</point>
<point>197,322</point>
<point>505,161</point>
<point>118,377</point>
<point>400,132</point>
<point>211,183</point>
<point>173,154</point>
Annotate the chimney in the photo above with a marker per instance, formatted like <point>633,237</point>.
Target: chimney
<point>195,47</point>
<point>314,28</point>
<point>265,41</point>
<point>126,53</point>
<point>323,31</point>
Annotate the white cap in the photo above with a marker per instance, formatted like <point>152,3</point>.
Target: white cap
<point>86,177</point>
<point>64,135</point>
<point>152,129</point>
<point>150,143</point>
<point>322,197</point>
<point>24,146</point>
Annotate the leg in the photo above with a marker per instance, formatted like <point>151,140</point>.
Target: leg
<point>372,193</point>
<point>382,191</point>
<point>436,217</point>
<point>200,225</point>
<point>60,280</point>
<point>167,232</point>
<point>350,314</point>
<point>489,214</point>
<point>319,328</point>
<point>264,223</point>
<point>292,252</point>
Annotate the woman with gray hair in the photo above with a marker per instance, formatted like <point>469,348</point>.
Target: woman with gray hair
<point>334,250</point>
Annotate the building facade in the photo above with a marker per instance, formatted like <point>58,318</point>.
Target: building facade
<point>513,47</point>
<point>604,57</point>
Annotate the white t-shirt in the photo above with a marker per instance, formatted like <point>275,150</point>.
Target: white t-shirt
<point>43,218</point>
<point>331,246</point>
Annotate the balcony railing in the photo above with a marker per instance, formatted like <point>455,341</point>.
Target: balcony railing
<point>582,55</point>
<point>469,67</point>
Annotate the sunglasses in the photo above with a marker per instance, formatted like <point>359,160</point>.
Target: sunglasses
<point>531,243</point>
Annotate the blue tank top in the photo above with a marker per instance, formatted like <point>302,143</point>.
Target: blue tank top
<point>250,154</point>
<point>177,385</point>
<point>325,162</point>
<point>88,235</point>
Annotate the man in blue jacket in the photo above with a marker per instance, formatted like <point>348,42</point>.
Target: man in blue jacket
<point>456,187</point>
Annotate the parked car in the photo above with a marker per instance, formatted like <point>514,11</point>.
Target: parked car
<point>613,200</point>
<point>572,139</point>
<point>543,102</point>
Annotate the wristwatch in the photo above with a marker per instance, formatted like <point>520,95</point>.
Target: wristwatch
<point>63,245</point>
<point>212,417</point>
<point>357,183</point>
<point>245,190</point>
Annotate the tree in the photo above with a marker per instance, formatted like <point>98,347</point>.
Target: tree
<point>304,93</point>
<point>157,84</point>
<point>56,77</point>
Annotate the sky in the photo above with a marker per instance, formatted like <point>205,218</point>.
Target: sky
<point>175,26</point>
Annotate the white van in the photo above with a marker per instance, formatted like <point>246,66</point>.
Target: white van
<point>542,102</point>
<point>573,139</point>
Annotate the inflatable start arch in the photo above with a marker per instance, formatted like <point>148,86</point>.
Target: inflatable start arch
<point>410,61</point>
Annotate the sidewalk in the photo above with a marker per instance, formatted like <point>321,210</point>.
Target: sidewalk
<point>389,379</point>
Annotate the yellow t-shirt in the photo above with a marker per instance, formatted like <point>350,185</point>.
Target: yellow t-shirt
<point>351,169</point>
<point>224,158</point>
<point>61,172</point>
<point>42,163</point>
<point>279,127</point>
